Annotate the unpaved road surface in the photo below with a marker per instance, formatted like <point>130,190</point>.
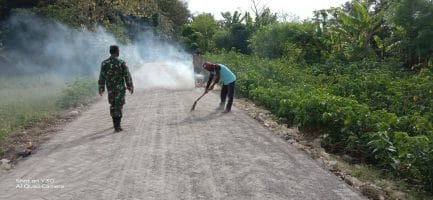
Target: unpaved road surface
<point>167,152</point>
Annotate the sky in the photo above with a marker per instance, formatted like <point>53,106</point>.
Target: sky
<point>300,8</point>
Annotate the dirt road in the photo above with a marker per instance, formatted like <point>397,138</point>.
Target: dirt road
<point>167,152</point>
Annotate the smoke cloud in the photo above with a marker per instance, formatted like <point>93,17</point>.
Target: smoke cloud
<point>43,46</point>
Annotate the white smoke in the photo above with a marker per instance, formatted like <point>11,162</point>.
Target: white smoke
<point>156,64</point>
<point>42,46</point>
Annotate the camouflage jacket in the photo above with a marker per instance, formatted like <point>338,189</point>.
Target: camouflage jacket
<point>114,74</point>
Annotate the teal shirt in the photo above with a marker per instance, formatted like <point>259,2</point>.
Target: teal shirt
<point>226,76</point>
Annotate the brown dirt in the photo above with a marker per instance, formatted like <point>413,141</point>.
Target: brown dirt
<point>27,141</point>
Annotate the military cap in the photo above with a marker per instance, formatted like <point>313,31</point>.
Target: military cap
<point>114,48</point>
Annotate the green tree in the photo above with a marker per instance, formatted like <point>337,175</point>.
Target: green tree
<point>291,40</point>
<point>223,40</point>
<point>230,19</point>
<point>7,5</point>
<point>2,9</point>
<point>124,18</point>
<point>241,34</point>
<point>176,11</point>
<point>356,30</point>
<point>205,27</point>
<point>360,27</point>
<point>236,32</point>
<point>413,25</point>
<point>265,18</point>
<point>190,38</point>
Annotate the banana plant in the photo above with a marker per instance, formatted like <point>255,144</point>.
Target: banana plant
<point>230,20</point>
<point>360,26</point>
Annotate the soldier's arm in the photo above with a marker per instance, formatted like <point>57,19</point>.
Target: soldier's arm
<point>128,78</point>
<point>102,80</point>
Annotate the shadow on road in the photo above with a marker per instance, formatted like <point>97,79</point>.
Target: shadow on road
<point>80,141</point>
<point>196,117</point>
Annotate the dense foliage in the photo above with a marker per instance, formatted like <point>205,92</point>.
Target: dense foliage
<point>360,29</point>
<point>371,111</point>
<point>77,93</point>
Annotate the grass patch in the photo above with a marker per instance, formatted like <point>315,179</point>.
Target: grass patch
<point>387,181</point>
<point>27,101</point>
<point>77,92</point>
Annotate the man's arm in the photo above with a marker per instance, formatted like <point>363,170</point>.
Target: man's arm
<point>217,69</point>
<point>102,80</point>
<point>128,78</point>
<point>217,77</point>
<point>209,82</point>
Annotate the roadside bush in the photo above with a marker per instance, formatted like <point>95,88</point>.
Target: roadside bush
<point>4,129</point>
<point>28,119</point>
<point>293,41</point>
<point>407,156</point>
<point>368,109</point>
<point>425,165</point>
<point>269,97</point>
<point>28,100</point>
<point>78,92</point>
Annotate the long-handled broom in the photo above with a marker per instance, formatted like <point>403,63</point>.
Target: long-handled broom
<point>195,102</point>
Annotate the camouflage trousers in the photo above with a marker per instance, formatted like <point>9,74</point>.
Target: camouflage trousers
<point>116,100</point>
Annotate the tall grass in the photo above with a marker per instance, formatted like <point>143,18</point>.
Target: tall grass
<point>25,101</point>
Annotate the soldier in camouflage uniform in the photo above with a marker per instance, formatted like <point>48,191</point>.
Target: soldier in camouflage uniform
<point>115,74</point>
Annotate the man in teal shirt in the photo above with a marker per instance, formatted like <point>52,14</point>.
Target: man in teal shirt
<point>228,79</point>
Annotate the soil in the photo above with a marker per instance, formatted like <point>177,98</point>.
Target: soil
<point>24,142</point>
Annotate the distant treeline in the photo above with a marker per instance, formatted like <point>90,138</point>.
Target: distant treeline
<point>359,29</point>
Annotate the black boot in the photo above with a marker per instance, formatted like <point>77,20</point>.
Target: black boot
<point>119,122</point>
<point>117,127</point>
<point>114,122</point>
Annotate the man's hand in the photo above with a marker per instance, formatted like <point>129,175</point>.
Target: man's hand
<point>208,89</point>
<point>131,90</point>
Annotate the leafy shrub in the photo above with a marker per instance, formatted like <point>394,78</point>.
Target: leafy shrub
<point>409,156</point>
<point>28,119</point>
<point>368,109</point>
<point>78,92</point>
<point>290,40</point>
<point>4,130</point>
<point>383,150</point>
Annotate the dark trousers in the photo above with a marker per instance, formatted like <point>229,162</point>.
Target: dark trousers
<point>228,90</point>
<point>116,98</point>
